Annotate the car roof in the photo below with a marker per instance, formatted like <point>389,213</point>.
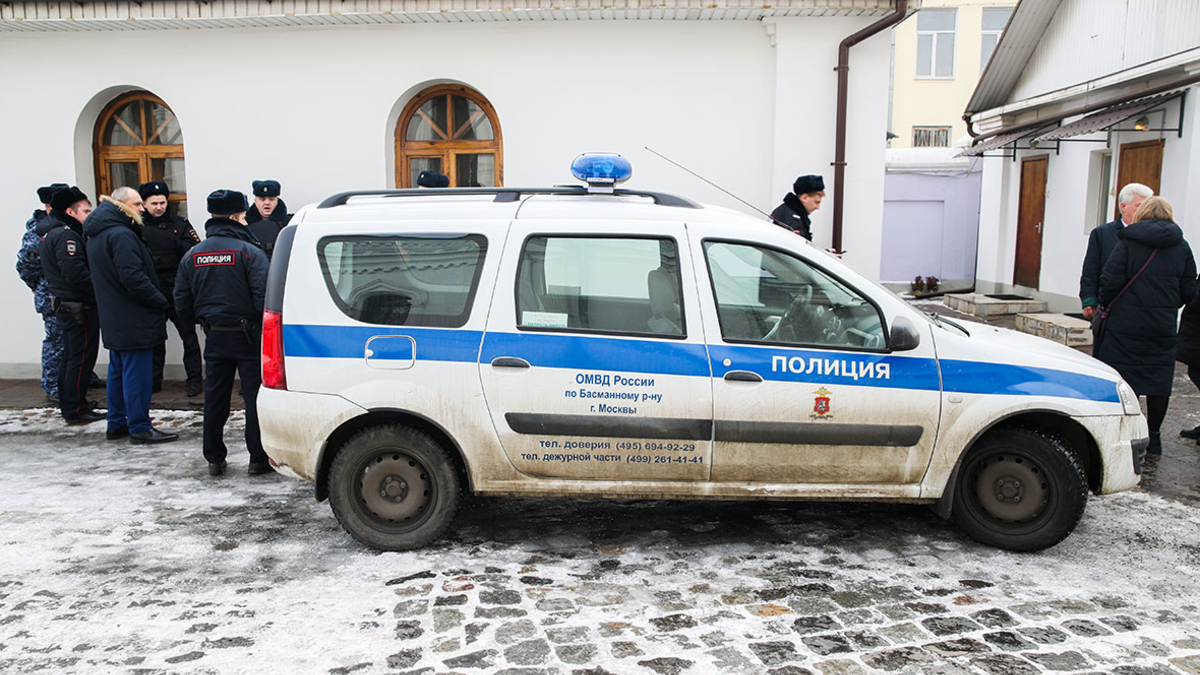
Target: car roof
<point>566,203</point>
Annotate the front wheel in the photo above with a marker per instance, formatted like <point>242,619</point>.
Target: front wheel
<point>1020,489</point>
<point>393,488</point>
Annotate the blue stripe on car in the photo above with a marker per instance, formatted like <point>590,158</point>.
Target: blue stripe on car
<point>671,357</point>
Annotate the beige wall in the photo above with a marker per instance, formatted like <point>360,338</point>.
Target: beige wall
<point>937,101</point>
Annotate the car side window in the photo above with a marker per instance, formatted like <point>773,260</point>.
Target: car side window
<point>404,281</point>
<point>766,295</point>
<point>600,284</point>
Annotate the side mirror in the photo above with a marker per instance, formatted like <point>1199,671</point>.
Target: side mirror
<point>904,335</point>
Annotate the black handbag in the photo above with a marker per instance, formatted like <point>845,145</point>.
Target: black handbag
<point>1100,318</point>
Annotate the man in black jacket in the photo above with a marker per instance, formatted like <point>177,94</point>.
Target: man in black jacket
<point>169,237</point>
<point>65,266</point>
<point>132,312</point>
<point>1101,243</point>
<point>222,283</point>
<point>268,215</point>
<point>805,197</point>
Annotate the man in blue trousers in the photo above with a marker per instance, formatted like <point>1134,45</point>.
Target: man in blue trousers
<point>133,318</point>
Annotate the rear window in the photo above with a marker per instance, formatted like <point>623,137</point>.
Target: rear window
<point>404,281</point>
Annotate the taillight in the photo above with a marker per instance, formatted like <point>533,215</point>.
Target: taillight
<point>273,375</point>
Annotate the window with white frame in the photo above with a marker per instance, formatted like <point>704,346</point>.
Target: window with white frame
<point>931,137</point>
<point>935,42</point>
<point>994,21</point>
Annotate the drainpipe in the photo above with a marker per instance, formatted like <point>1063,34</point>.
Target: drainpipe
<point>843,71</point>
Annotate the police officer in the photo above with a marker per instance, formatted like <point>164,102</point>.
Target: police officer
<point>432,179</point>
<point>268,215</point>
<point>805,197</point>
<point>222,283</point>
<point>169,237</point>
<point>65,268</point>
<point>29,267</point>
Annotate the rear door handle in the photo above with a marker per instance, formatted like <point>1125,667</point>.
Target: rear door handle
<point>509,362</point>
<point>742,376</point>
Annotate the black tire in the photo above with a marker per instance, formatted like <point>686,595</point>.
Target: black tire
<point>393,488</point>
<point>1020,489</point>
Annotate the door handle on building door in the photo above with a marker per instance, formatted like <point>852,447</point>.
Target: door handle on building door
<point>1039,227</point>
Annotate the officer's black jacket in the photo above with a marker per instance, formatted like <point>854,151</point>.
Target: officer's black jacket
<point>267,230</point>
<point>64,258</point>
<point>169,237</point>
<point>792,215</point>
<point>132,307</point>
<point>223,279</point>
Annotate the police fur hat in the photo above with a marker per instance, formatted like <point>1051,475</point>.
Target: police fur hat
<point>154,187</point>
<point>808,184</point>
<point>64,198</point>
<point>266,188</point>
<point>46,193</point>
<point>432,179</point>
<point>227,202</point>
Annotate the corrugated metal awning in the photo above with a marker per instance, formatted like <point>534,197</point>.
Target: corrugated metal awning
<point>997,141</point>
<point>1105,118</point>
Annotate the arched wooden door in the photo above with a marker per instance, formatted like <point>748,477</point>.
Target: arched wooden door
<point>139,140</point>
<point>453,130</point>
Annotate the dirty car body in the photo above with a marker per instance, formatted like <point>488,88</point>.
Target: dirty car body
<point>556,343</point>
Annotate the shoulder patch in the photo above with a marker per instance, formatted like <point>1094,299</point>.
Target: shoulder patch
<point>212,258</point>
<point>72,246</point>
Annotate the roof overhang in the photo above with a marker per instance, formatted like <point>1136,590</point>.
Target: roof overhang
<point>198,14</point>
<point>1108,95</point>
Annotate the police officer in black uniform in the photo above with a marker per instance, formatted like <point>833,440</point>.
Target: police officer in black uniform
<point>221,284</point>
<point>65,266</point>
<point>805,197</point>
<point>268,215</point>
<point>169,236</point>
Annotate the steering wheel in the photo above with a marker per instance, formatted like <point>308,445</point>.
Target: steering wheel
<point>799,323</point>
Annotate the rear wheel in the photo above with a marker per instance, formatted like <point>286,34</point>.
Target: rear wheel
<point>393,488</point>
<point>1020,489</point>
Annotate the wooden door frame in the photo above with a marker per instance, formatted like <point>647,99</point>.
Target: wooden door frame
<point>1041,233</point>
<point>142,154</point>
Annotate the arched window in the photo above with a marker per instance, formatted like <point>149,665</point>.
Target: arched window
<point>452,130</point>
<point>139,140</point>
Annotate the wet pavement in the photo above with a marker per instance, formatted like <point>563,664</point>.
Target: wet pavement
<point>117,558</point>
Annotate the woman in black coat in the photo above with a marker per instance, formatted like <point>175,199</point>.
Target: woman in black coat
<point>1139,338</point>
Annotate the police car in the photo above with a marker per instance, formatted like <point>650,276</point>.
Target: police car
<point>601,342</point>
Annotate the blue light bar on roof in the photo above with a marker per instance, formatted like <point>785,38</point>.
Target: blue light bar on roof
<point>601,170</point>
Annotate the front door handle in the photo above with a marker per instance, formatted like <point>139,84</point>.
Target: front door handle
<point>509,362</point>
<point>742,376</point>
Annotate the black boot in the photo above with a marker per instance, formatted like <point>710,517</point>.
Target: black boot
<point>1193,434</point>
<point>1155,447</point>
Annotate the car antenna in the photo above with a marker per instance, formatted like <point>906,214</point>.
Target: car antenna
<point>769,216</point>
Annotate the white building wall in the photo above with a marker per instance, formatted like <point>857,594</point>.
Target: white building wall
<point>316,109</point>
<point>1088,40</point>
<point>1069,194</point>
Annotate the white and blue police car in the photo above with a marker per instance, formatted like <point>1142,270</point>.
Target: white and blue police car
<point>595,341</point>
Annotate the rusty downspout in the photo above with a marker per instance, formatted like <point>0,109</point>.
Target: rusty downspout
<point>843,83</point>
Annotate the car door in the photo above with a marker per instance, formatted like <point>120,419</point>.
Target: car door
<point>594,363</point>
<point>804,387</point>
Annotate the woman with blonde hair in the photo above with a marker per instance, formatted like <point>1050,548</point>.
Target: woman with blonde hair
<point>1149,276</point>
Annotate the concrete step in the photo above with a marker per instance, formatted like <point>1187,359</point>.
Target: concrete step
<point>1060,328</point>
<point>980,304</point>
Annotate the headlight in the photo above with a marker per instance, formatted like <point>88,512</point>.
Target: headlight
<point>1129,400</point>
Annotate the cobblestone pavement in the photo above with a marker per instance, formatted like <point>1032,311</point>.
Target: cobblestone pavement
<point>127,559</point>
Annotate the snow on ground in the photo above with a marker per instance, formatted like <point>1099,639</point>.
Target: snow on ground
<point>123,558</point>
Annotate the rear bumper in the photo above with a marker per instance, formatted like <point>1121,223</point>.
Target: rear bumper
<point>296,426</point>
